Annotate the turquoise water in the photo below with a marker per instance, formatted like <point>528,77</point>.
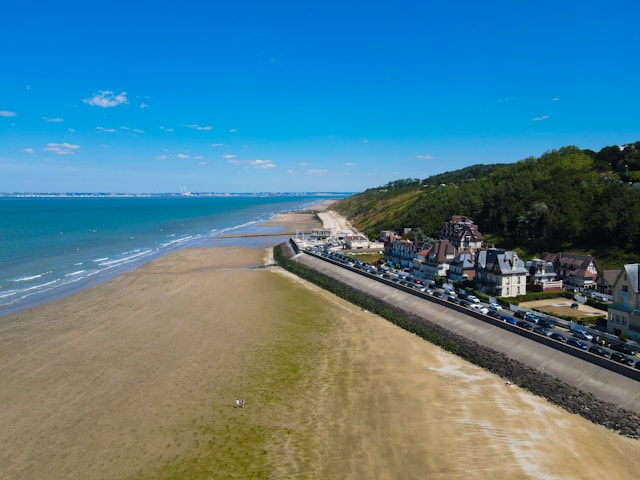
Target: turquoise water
<point>50,247</point>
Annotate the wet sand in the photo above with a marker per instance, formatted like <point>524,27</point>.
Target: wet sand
<point>137,378</point>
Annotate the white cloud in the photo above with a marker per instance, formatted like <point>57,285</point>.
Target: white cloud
<point>167,129</point>
<point>291,172</point>
<point>229,156</point>
<point>182,156</point>
<point>233,130</point>
<point>203,163</point>
<point>198,157</point>
<point>5,113</point>
<point>144,105</point>
<point>26,150</point>
<point>539,119</point>
<point>199,127</point>
<point>317,172</point>
<point>349,164</point>
<point>257,164</point>
<point>53,120</point>
<point>555,99</point>
<point>137,130</point>
<point>302,164</point>
<point>61,148</point>
<point>424,157</point>
<point>107,130</point>
<point>262,164</point>
<point>106,99</point>
<point>217,145</point>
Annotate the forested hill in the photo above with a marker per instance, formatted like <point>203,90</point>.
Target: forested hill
<point>565,200</point>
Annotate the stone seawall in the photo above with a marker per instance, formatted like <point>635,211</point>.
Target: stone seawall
<point>568,397</point>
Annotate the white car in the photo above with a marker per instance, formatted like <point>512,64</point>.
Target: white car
<point>494,306</point>
<point>582,335</point>
<point>473,298</point>
<point>480,308</point>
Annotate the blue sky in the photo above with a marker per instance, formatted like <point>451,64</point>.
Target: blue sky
<point>253,96</point>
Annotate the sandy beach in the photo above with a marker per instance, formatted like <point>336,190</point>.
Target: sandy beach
<point>137,378</point>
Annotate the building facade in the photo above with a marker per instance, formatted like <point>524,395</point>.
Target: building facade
<point>500,273</point>
<point>623,316</point>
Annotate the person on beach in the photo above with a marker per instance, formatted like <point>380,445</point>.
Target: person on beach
<point>242,403</point>
<point>237,403</point>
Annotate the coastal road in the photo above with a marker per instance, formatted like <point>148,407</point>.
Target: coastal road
<point>602,383</point>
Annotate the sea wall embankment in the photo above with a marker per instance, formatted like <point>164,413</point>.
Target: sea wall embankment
<point>535,380</point>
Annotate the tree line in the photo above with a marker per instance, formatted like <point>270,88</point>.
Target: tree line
<point>566,199</point>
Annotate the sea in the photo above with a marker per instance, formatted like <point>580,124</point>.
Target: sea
<point>54,246</point>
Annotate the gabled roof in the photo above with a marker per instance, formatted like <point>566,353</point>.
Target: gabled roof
<point>441,251</point>
<point>633,275</point>
<point>504,262</point>
<point>569,261</point>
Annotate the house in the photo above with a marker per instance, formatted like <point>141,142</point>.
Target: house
<point>542,276</point>
<point>500,273</point>
<point>623,317</point>
<point>355,242</point>
<point>419,266</point>
<point>398,251</point>
<point>438,259</point>
<point>462,268</point>
<point>463,234</point>
<point>606,279</point>
<point>579,271</point>
<point>321,234</point>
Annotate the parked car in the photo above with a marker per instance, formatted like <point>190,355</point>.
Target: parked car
<point>582,335</point>
<point>494,314</point>
<point>438,294</point>
<point>620,358</point>
<point>558,337</point>
<point>546,323</point>
<point>624,348</point>
<point>525,325</point>
<point>465,304</point>
<point>530,317</point>
<point>494,306</point>
<point>574,306</point>
<point>599,351</point>
<point>542,331</point>
<point>453,299</point>
<point>473,299</point>
<point>576,342</point>
<point>480,308</point>
<point>509,319</point>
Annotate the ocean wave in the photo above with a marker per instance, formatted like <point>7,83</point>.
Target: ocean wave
<point>121,261</point>
<point>26,279</point>
<point>73,274</point>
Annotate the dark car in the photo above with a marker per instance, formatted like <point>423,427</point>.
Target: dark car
<point>546,323</point>
<point>494,314</point>
<point>620,358</point>
<point>465,304</point>
<point>599,351</point>
<point>558,337</point>
<point>525,325</point>
<point>453,299</point>
<point>542,331</point>
<point>519,314</point>
<point>624,348</point>
<point>576,342</point>
<point>438,294</point>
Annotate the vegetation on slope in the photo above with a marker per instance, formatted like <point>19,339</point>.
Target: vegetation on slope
<point>565,200</point>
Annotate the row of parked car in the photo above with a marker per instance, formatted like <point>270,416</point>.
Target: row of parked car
<point>620,352</point>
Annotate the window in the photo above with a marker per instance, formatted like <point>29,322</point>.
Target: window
<point>625,288</point>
